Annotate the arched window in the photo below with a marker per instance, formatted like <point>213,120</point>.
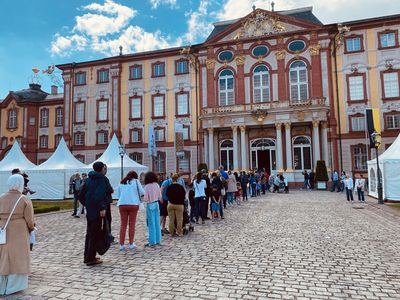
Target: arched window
<point>298,81</point>
<point>261,92</point>
<point>226,88</point>
<point>226,150</point>
<point>302,153</point>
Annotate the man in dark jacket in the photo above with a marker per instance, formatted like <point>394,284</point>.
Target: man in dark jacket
<point>208,193</point>
<point>94,195</point>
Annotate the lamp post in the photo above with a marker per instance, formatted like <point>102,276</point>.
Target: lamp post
<point>376,137</point>
<point>121,154</point>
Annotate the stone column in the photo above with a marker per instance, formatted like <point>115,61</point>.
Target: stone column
<point>235,148</point>
<point>243,147</point>
<point>205,147</point>
<point>211,149</point>
<point>324,142</point>
<point>315,142</point>
<point>288,138</point>
<point>279,164</point>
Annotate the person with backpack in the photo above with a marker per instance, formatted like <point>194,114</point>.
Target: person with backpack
<point>129,194</point>
<point>244,181</point>
<point>164,205</point>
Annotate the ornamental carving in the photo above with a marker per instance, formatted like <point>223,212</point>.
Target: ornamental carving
<point>210,63</point>
<point>280,54</point>
<point>260,24</point>
<point>240,59</point>
<point>314,49</point>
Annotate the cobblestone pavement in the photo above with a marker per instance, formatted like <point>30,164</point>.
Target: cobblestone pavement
<point>304,245</point>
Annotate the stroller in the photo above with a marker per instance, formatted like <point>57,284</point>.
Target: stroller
<point>187,227</point>
<point>281,187</point>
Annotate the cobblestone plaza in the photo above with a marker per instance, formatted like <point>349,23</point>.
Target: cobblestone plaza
<point>302,245</point>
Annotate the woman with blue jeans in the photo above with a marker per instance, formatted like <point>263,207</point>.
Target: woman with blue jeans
<point>200,186</point>
<point>152,194</point>
<point>232,188</point>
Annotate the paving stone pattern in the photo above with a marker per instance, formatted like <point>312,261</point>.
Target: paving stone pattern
<point>304,245</point>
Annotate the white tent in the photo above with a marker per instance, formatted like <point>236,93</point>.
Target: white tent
<point>112,159</point>
<point>15,158</point>
<point>50,180</point>
<point>389,164</point>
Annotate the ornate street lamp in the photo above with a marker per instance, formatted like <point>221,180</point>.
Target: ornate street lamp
<point>377,139</point>
<point>122,154</point>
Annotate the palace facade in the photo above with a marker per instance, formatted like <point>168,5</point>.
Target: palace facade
<point>273,90</point>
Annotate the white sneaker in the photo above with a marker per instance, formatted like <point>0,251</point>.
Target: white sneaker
<point>121,248</point>
<point>132,246</point>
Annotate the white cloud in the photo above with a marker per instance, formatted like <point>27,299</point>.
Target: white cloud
<point>199,25</point>
<point>233,9</point>
<point>157,3</point>
<point>103,28</point>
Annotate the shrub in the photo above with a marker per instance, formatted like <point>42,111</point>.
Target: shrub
<point>45,209</point>
<point>321,173</point>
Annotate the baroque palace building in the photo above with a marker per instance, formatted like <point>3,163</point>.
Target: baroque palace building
<point>274,90</point>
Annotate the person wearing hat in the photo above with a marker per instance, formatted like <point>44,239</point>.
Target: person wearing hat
<point>94,195</point>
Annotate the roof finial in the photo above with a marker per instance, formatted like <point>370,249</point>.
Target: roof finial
<point>272,6</point>
<point>120,50</point>
<point>254,7</point>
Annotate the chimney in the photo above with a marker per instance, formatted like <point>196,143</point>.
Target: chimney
<point>54,90</point>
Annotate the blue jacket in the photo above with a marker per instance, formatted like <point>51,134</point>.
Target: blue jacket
<point>95,194</point>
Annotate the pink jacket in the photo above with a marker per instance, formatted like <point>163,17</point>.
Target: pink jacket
<point>152,192</point>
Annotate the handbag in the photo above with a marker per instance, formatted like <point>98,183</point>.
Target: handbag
<point>141,206</point>
<point>223,192</point>
<point>3,238</point>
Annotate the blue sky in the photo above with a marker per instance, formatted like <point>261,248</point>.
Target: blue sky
<point>39,33</point>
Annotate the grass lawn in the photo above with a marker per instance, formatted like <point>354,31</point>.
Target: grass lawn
<point>394,205</point>
<point>40,206</point>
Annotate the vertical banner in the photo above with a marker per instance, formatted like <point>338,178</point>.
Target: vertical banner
<point>152,150</point>
<point>373,123</point>
<point>179,142</point>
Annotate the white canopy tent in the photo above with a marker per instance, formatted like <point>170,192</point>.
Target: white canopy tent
<point>112,159</point>
<point>14,159</point>
<point>51,179</point>
<point>389,164</point>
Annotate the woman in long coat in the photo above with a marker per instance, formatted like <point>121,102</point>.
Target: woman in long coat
<point>15,260</point>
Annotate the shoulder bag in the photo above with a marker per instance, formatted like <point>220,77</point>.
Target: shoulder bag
<point>141,205</point>
<point>3,235</point>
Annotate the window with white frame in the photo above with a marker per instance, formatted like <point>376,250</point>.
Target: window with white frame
<point>261,92</point>
<point>393,121</point>
<point>102,110</point>
<point>226,88</point>
<point>43,142</point>
<point>137,156</point>
<point>388,40</point>
<point>102,137</point>
<point>159,134</point>
<point>79,138</point>
<point>4,143</point>
<point>226,154</point>
<point>391,84</point>
<point>356,87</point>
<point>182,104</point>
<point>80,78</point>
<point>360,158</point>
<point>184,163</point>
<point>182,67</point>
<point>59,116</point>
<point>302,153</point>
<point>353,44</point>
<point>136,108</point>
<point>12,118</point>
<point>57,139</point>
<point>80,112</point>
<point>136,135</point>
<point>44,117</point>
<point>102,76</point>
<point>158,106</point>
<point>358,123</point>
<point>298,81</point>
<point>160,163</point>
<point>136,72</point>
<point>158,69</point>
<point>186,133</point>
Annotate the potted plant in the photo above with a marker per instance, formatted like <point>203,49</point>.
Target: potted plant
<point>321,175</point>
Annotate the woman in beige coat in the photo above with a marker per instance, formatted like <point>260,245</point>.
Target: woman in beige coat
<point>15,260</point>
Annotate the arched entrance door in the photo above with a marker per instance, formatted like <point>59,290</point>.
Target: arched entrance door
<point>263,155</point>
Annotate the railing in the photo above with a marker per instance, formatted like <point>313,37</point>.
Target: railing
<point>314,102</point>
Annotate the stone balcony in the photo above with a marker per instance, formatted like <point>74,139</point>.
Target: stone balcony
<point>270,107</point>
